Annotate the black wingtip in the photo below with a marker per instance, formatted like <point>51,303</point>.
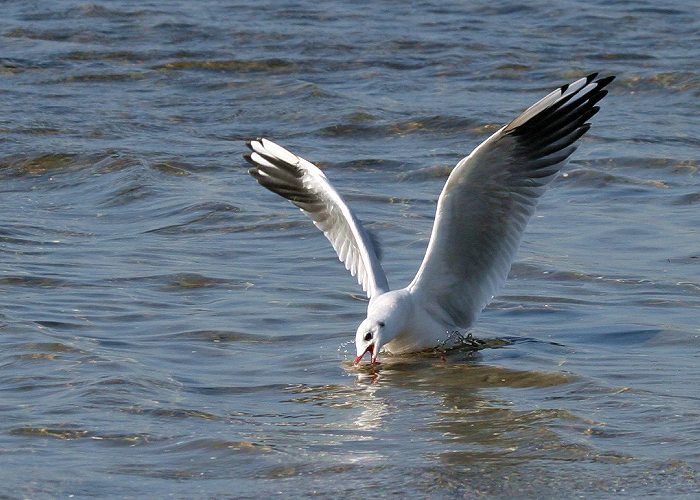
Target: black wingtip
<point>249,142</point>
<point>605,81</point>
<point>589,78</point>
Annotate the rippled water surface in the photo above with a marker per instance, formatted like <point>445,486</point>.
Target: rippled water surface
<point>168,327</point>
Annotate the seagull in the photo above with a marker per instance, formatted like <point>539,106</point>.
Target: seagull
<point>481,215</point>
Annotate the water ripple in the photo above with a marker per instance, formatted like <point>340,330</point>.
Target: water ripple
<point>168,327</point>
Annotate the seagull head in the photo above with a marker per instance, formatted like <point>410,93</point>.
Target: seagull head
<point>368,339</point>
<point>386,318</point>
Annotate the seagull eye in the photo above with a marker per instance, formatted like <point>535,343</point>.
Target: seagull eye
<point>368,336</point>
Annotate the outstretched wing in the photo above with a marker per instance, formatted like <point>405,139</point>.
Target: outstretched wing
<point>489,198</point>
<point>303,183</point>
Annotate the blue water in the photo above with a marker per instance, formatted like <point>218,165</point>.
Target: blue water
<point>169,328</point>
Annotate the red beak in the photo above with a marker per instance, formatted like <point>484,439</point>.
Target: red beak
<point>370,349</point>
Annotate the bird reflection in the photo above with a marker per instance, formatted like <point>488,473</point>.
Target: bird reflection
<point>464,413</point>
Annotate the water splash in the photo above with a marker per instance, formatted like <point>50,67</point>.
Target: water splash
<point>344,351</point>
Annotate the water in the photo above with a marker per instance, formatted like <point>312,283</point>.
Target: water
<point>169,328</point>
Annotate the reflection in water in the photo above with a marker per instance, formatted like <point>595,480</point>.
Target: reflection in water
<point>447,406</point>
<point>374,410</point>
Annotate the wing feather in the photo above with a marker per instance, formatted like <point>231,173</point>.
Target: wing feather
<point>305,185</point>
<point>490,196</point>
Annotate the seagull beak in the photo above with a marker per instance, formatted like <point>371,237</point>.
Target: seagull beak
<point>373,356</point>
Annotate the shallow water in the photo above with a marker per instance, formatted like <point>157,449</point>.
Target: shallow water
<point>169,328</point>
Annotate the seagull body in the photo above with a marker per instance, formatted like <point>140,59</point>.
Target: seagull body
<point>481,215</point>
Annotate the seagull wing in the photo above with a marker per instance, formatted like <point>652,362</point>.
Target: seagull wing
<point>303,183</point>
<point>489,198</point>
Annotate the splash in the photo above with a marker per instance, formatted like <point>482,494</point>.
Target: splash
<point>455,340</point>
<point>348,353</point>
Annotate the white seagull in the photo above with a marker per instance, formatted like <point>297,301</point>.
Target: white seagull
<point>481,214</point>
